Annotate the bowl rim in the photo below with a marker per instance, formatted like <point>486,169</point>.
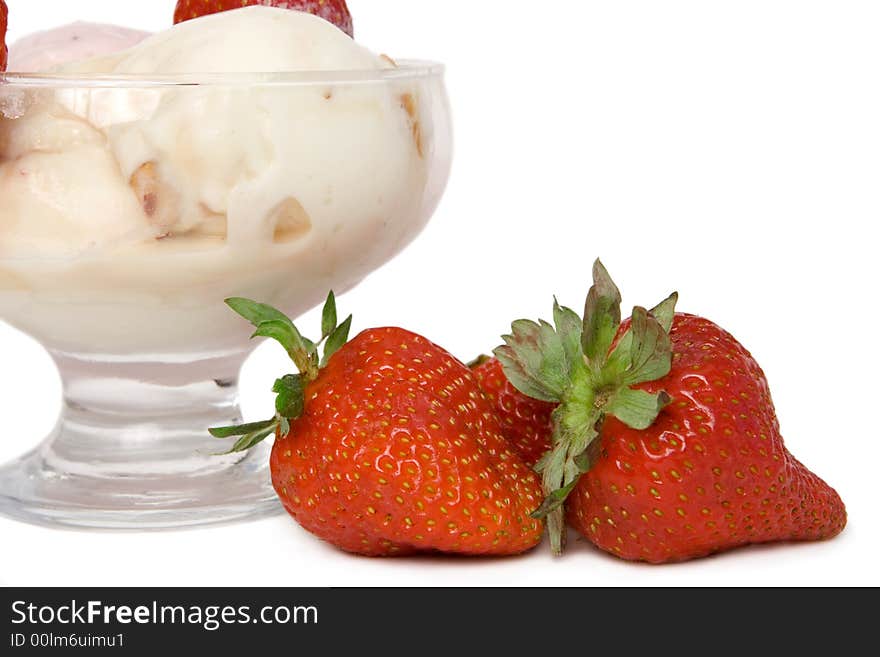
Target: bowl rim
<point>404,70</point>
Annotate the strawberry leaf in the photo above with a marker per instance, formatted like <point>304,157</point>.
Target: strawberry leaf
<point>479,360</point>
<point>285,334</point>
<point>256,313</point>
<point>619,361</point>
<point>272,323</point>
<point>543,462</point>
<point>554,501</point>
<point>311,347</point>
<point>583,462</point>
<point>569,328</point>
<point>251,439</point>
<point>241,430</point>
<point>534,360</point>
<point>637,408</point>
<point>553,482</point>
<point>336,340</point>
<point>650,356</point>
<point>664,312</point>
<point>601,316</point>
<point>328,317</point>
<point>290,399</point>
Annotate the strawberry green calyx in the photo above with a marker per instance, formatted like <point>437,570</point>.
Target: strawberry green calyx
<point>585,367</point>
<point>305,354</point>
<point>479,360</point>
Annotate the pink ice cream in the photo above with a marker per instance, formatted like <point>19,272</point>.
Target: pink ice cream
<point>43,51</point>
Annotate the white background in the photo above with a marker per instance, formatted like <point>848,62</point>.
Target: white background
<point>727,150</point>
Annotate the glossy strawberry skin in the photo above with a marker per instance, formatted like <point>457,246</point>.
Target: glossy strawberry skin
<point>398,452</point>
<point>333,11</point>
<point>526,423</point>
<point>4,18</point>
<point>711,474</point>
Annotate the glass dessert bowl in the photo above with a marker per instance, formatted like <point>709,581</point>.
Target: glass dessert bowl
<point>132,206</point>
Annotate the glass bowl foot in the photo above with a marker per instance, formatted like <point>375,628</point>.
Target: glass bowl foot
<point>132,451</point>
<point>40,490</point>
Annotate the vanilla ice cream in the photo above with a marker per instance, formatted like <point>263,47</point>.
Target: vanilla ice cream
<point>130,210</point>
<point>44,51</point>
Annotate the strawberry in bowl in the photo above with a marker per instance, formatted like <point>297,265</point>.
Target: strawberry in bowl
<point>332,11</point>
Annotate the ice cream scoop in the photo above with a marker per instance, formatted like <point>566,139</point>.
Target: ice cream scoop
<point>269,165</point>
<point>44,51</point>
<point>252,158</point>
<point>258,152</point>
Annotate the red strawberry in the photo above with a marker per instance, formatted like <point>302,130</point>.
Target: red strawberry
<point>667,442</point>
<point>713,464</point>
<point>388,447</point>
<point>4,17</point>
<point>526,423</point>
<point>333,11</point>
